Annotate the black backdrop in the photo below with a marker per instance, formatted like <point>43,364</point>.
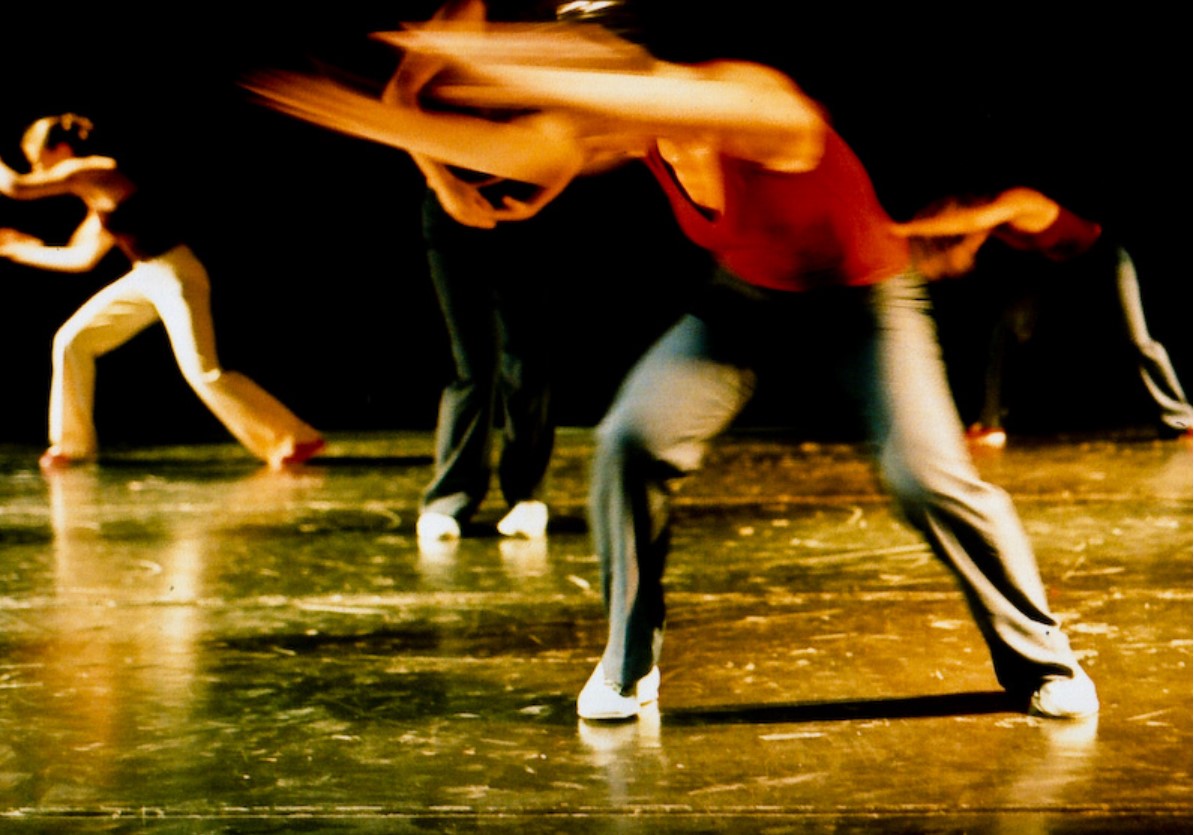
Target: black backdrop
<point>312,239</point>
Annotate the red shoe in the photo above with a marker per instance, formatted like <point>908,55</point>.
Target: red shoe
<point>52,459</point>
<point>985,436</point>
<point>303,452</point>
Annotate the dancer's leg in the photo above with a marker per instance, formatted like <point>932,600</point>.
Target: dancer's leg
<point>677,398</point>
<point>178,286</point>
<point>107,320</point>
<point>970,524</point>
<point>1152,359</point>
<point>523,380</point>
<point>462,267</point>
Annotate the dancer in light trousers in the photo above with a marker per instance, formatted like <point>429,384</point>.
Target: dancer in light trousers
<point>167,283</point>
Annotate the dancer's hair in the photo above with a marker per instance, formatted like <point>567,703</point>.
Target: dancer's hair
<point>52,131</point>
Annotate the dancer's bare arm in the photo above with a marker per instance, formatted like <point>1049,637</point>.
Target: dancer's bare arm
<point>514,150</point>
<point>752,111</point>
<point>462,200</point>
<point>1022,208</point>
<point>86,248</point>
<point>71,176</point>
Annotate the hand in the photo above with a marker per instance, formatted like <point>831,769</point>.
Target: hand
<point>463,201</point>
<point>514,209</point>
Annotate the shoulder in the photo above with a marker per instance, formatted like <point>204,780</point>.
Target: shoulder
<point>787,130</point>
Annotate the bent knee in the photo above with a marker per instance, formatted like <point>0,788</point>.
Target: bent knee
<point>620,437</point>
<point>72,339</point>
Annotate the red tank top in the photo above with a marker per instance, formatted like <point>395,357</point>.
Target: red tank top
<point>793,231</point>
<point>1068,236</point>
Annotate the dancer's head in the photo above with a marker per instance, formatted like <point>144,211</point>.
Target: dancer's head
<point>620,17</point>
<point>52,139</point>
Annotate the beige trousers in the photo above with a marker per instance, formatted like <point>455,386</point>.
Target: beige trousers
<point>174,289</point>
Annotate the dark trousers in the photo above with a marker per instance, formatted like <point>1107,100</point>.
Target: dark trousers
<point>491,286</point>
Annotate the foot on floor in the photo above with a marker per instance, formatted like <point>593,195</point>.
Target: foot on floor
<point>986,436</point>
<point>55,459</point>
<point>602,701</point>
<point>1059,697</point>
<point>435,527</point>
<point>302,452</point>
<point>526,519</point>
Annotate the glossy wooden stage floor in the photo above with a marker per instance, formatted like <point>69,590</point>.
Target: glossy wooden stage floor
<point>191,644</point>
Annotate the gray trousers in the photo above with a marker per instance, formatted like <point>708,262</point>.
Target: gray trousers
<point>698,377</point>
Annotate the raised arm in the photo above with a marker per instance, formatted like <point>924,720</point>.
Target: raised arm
<point>463,201</point>
<point>416,69</point>
<point>86,248</point>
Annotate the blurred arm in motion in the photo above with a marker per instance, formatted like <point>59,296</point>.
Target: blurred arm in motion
<point>945,239</point>
<point>581,119</point>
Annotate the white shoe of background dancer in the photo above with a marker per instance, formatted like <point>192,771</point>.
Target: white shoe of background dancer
<point>437,526</point>
<point>526,519</point>
<point>1065,698</point>
<point>599,700</point>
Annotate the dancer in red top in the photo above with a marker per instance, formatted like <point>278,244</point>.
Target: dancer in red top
<point>756,175</point>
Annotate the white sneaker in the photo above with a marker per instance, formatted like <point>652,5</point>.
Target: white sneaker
<point>437,526</point>
<point>1065,698</point>
<point>526,519</point>
<point>599,700</point>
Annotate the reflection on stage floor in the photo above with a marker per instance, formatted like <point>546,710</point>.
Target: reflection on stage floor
<point>192,642</point>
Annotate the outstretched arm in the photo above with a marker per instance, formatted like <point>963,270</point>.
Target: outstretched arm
<point>1022,208</point>
<point>86,248</point>
<point>514,150</point>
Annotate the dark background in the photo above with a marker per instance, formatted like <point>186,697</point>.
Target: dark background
<point>312,239</point>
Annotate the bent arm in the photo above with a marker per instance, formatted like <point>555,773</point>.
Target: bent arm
<point>1021,208</point>
<point>70,176</point>
<point>86,248</point>
<point>461,200</point>
<point>416,69</point>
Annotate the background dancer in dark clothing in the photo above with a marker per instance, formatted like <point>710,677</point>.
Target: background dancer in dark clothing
<point>491,281</point>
